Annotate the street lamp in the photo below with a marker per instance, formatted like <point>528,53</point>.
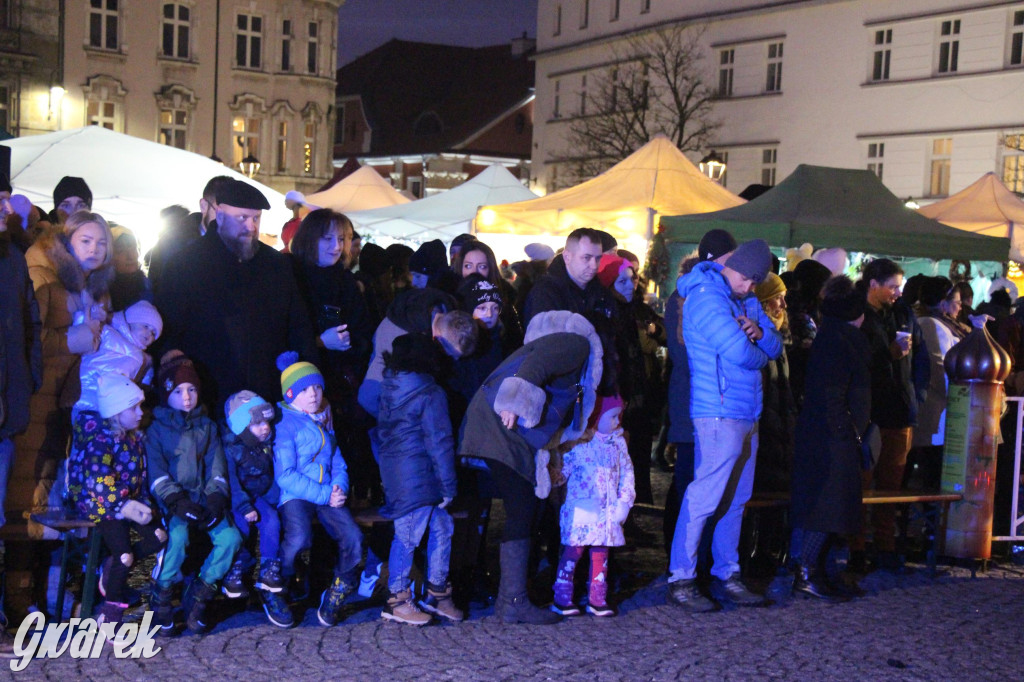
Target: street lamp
<point>250,165</point>
<point>911,204</point>
<point>713,166</point>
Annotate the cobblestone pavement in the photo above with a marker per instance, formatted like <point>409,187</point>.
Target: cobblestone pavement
<point>907,627</point>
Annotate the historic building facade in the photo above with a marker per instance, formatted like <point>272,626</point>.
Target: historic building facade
<point>926,93</point>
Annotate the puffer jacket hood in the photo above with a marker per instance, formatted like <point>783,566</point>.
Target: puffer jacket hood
<point>118,354</point>
<point>724,364</point>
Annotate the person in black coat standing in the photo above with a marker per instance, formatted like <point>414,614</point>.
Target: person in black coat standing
<point>826,488</point>
<point>571,280</point>
<point>231,304</point>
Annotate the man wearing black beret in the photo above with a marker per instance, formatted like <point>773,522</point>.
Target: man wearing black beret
<point>231,304</point>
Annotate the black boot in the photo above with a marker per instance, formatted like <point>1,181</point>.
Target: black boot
<point>194,605</point>
<point>162,606</point>
<point>816,585</point>
<point>513,604</point>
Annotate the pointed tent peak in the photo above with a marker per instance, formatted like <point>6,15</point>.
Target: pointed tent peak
<point>660,152</point>
<point>363,189</point>
<point>494,175</point>
<point>987,198</point>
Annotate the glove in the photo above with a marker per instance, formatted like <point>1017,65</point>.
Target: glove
<point>336,338</point>
<point>185,509</point>
<point>133,510</point>
<point>83,338</point>
<point>216,503</point>
<point>445,501</point>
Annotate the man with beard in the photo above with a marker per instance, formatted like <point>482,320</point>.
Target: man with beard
<point>899,381</point>
<point>231,304</point>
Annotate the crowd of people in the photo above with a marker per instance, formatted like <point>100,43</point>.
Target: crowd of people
<point>245,396</point>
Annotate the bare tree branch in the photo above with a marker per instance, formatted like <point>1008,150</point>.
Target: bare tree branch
<point>657,84</point>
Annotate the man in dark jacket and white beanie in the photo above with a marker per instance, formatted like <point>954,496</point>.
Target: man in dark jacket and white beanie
<point>728,340</point>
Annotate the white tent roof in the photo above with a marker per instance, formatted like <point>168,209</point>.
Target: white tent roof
<point>362,190</point>
<point>985,207</point>
<point>445,215</point>
<point>131,178</point>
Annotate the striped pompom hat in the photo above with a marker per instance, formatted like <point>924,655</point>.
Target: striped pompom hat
<point>296,376</point>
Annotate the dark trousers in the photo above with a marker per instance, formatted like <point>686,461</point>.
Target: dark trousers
<point>520,502</point>
<point>116,534</point>
<point>297,523</point>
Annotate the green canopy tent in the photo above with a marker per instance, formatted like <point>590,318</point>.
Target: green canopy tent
<point>840,207</point>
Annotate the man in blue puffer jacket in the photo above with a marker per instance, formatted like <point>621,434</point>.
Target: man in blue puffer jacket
<point>728,340</point>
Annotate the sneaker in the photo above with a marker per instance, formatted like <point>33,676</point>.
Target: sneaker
<point>330,603</point>
<point>233,585</point>
<point>602,610</point>
<point>368,581</point>
<point>686,594</point>
<point>270,579</point>
<point>401,608</point>
<point>732,591</point>
<point>566,610</point>
<point>439,603</point>
<point>276,609</point>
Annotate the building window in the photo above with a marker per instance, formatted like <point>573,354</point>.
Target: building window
<point>173,127</point>
<point>558,21</point>
<point>308,142</point>
<point>555,112</point>
<point>645,6</point>
<point>246,133</point>
<point>942,149</point>
<point>876,151</point>
<point>282,146</point>
<point>1017,39</point>
<point>584,13</point>
<point>583,96</point>
<point>103,114</point>
<point>103,20</point>
<point>725,62</point>
<point>5,108</point>
<point>286,45</point>
<point>615,10</point>
<point>883,53</point>
<point>949,45</point>
<point>1013,163</point>
<point>773,83</point>
<point>313,47</point>
<point>175,30</point>
<point>768,158</point>
<point>415,186</point>
<point>249,41</point>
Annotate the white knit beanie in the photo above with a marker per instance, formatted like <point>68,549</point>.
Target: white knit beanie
<point>116,394</point>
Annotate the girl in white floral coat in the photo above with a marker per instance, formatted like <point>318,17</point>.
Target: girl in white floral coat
<point>599,495</point>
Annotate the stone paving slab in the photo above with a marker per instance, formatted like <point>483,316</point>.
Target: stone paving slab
<point>908,627</point>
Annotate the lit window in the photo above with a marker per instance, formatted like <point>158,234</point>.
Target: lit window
<point>942,149</point>
<point>308,142</point>
<point>282,146</point>
<point>1013,163</point>
<point>246,133</point>
<point>103,114</point>
<point>175,30</point>
<point>173,127</point>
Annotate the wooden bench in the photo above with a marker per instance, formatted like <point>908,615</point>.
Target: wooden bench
<point>68,525</point>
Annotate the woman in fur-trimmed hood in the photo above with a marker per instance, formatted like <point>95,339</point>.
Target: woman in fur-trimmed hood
<point>71,270</point>
<point>541,395</point>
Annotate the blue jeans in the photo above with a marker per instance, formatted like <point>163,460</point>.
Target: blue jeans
<point>723,480</point>
<point>225,539</point>
<point>297,522</point>
<point>6,461</point>
<point>409,530</point>
<point>269,529</point>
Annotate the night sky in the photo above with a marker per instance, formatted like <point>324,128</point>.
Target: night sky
<point>366,24</point>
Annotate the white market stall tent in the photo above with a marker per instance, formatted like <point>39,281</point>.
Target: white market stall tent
<point>364,189</point>
<point>445,215</point>
<point>985,207</point>
<point>131,178</point>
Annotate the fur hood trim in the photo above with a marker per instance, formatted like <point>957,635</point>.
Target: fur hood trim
<point>555,321</point>
<point>69,273</point>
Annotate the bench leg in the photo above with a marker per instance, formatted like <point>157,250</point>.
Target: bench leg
<point>62,580</point>
<point>89,584</point>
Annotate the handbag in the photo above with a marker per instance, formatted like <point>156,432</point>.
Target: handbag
<point>870,446</point>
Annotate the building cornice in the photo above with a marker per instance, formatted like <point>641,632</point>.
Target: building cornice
<point>897,18</point>
<point>932,132</point>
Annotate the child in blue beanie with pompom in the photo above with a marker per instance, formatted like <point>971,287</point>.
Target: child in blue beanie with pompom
<point>313,479</point>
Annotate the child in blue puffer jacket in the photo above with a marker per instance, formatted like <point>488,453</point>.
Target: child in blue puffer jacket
<point>248,435</point>
<point>313,479</point>
<point>417,467</point>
